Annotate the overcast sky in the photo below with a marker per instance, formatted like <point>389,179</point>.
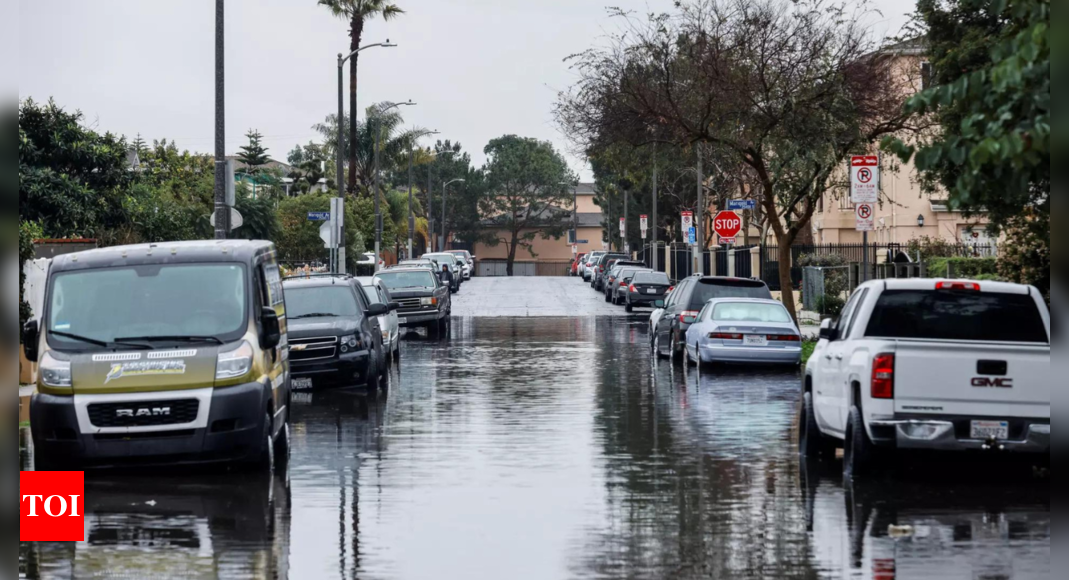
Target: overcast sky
<point>477,69</point>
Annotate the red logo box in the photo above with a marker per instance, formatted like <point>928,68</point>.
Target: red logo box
<point>52,506</point>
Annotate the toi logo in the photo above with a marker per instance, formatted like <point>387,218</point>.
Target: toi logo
<point>52,506</point>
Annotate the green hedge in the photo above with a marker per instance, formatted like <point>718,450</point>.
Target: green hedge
<point>971,268</point>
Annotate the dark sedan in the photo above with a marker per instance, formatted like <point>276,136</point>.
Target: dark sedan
<point>618,289</point>
<point>646,289</point>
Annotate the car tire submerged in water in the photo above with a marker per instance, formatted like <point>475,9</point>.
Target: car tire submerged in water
<point>265,459</point>
<point>859,454</point>
<point>673,349</point>
<point>282,444</point>
<point>656,345</point>
<point>812,444</point>
<point>628,308</point>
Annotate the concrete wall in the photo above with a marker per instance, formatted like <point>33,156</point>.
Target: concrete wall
<point>546,250</point>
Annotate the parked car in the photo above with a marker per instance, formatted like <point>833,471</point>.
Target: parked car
<point>646,289</point>
<point>657,314</point>
<point>367,262</point>
<point>734,330</point>
<point>468,260</point>
<point>690,296</point>
<point>575,265</point>
<point>335,333</point>
<point>618,289</point>
<point>429,264</point>
<point>161,354</point>
<point>930,365</point>
<point>603,267</point>
<point>586,268</point>
<point>424,301</point>
<point>454,265</point>
<point>377,293</point>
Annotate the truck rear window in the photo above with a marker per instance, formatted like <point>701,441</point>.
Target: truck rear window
<point>949,315</point>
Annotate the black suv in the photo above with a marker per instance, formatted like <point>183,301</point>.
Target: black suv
<point>688,299</point>
<point>602,267</point>
<point>425,302</point>
<point>334,333</point>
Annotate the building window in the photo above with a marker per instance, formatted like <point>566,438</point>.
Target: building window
<point>926,76</point>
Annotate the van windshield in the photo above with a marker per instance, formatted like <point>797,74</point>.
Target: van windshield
<point>408,280</point>
<point>321,302</point>
<point>182,300</point>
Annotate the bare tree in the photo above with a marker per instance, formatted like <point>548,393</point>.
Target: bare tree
<point>785,89</point>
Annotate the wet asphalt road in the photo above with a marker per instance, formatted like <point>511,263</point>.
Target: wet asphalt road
<point>553,448</point>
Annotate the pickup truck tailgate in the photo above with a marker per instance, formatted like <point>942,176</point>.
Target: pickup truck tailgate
<point>973,379</point>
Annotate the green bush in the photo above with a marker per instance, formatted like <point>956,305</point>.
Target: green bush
<point>971,268</point>
<point>836,279</point>
<point>830,305</point>
<point>1025,257</point>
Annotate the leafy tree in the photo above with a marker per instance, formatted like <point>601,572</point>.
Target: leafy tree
<point>786,91</point>
<point>526,183</point>
<point>298,239</point>
<point>254,155</point>
<point>397,203</point>
<point>139,146</point>
<point>259,216</point>
<point>450,162</point>
<point>357,13</point>
<point>70,178</point>
<point>991,97</point>
<point>394,143</point>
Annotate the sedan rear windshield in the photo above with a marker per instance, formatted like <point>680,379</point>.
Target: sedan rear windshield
<point>957,315</point>
<point>321,302</point>
<point>707,290</point>
<point>408,280</point>
<point>652,278</point>
<point>750,312</point>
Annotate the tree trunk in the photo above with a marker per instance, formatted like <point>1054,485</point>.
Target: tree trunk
<point>785,283</point>
<point>510,269</point>
<point>356,33</point>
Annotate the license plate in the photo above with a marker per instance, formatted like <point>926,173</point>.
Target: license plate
<point>991,430</point>
<point>755,340</point>
<point>302,384</point>
<point>302,398</point>
<point>402,321</point>
<point>651,291</point>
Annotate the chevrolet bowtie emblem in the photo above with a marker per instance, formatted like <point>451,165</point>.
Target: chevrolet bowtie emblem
<point>298,347</point>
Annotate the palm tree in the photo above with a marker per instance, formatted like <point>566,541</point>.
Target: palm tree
<point>357,13</point>
<point>393,145</point>
<point>397,201</point>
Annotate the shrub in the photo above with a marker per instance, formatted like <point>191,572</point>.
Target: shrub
<point>836,280</point>
<point>929,247</point>
<point>1025,257</point>
<point>972,268</point>
<point>830,305</point>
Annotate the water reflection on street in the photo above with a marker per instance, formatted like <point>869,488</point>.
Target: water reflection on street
<point>551,449</point>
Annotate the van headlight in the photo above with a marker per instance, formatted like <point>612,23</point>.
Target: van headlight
<point>55,372</point>
<point>234,364</point>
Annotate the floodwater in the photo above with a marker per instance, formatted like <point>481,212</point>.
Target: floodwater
<point>544,449</point>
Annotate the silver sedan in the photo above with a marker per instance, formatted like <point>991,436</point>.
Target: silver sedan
<point>746,331</point>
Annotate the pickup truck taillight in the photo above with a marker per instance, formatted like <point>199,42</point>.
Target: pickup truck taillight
<point>883,377</point>
<point>969,286</point>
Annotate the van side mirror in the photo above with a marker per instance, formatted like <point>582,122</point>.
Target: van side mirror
<point>31,335</point>
<point>378,310</point>
<point>272,330</point>
<point>828,331</point>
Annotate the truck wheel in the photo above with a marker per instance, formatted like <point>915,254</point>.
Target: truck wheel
<point>859,454</point>
<point>812,444</point>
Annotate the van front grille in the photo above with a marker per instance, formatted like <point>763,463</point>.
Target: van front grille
<point>144,414</point>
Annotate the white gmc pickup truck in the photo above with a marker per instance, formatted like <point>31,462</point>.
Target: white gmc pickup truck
<point>940,365</point>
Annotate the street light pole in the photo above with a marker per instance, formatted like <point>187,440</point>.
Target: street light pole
<point>222,212</point>
<point>445,187</point>
<point>341,111</point>
<point>430,200</point>
<point>376,136</point>
<point>655,261</point>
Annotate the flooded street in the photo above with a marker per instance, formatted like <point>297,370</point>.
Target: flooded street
<point>549,448</point>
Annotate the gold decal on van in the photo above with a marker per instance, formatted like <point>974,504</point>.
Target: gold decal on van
<point>145,369</point>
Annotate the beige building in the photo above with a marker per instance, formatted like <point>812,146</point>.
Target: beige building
<point>590,235</point>
<point>905,212</point>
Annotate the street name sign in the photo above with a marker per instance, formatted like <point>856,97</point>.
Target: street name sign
<point>865,179</point>
<point>742,204</point>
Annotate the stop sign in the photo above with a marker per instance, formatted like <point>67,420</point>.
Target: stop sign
<point>727,224</point>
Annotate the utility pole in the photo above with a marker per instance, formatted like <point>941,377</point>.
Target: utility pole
<point>411,217</point>
<point>655,222</point>
<point>222,212</point>
<point>624,231</point>
<point>378,209</point>
<point>699,218</point>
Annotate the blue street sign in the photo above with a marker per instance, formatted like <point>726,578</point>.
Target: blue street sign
<point>319,216</point>
<point>741,204</point>
<point>692,236</point>
<point>583,242</point>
